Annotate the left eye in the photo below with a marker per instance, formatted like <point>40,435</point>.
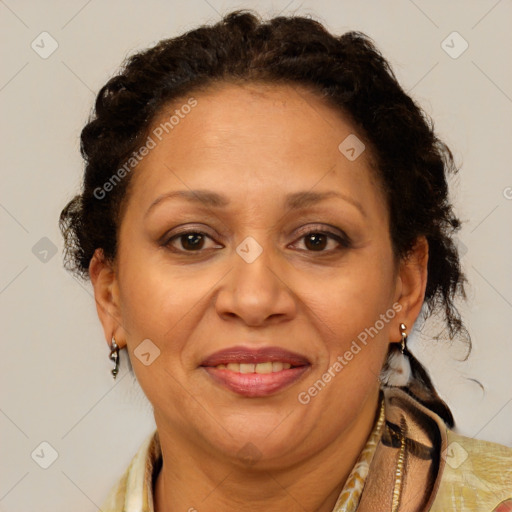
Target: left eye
<point>316,240</point>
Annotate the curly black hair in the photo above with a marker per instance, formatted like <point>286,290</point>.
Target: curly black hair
<point>348,71</point>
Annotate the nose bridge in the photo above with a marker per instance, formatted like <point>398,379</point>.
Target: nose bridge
<point>255,227</point>
<point>254,261</point>
<point>255,290</point>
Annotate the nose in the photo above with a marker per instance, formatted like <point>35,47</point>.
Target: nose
<point>257,291</point>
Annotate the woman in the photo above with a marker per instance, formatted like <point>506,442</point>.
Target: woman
<point>264,214</point>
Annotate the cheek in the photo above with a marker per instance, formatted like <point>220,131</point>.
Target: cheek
<point>155,296</point>
<point>355,313</point>
<point>354,301</point>
<point>354,327</point>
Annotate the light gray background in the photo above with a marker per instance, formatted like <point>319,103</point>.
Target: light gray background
<point>55,373</point>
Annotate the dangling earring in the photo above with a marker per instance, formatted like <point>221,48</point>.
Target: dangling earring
<point>114,356</point>
<point>403,342</point>
<point>397,370</point>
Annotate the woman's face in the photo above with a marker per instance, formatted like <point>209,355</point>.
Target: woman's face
<point>250,238</point>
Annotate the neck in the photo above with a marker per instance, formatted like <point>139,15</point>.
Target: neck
<point>189,481</point>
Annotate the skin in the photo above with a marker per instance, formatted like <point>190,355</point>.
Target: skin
<point>255,144</point>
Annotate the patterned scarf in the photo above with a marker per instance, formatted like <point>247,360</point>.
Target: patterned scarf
<point>349,497</point>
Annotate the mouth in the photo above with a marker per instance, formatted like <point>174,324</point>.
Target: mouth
<point>261,368</point>
<point>255,372</point>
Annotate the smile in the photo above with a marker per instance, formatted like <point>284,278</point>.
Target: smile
<point>253,372</point>
<point>261,368</point>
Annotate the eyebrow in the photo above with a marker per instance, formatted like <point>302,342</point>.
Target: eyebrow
<point>294,201</point>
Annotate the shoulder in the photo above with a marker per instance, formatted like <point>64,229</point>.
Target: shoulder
<point>133,491</point>
<point>477,476</point>
<point>469,475</point>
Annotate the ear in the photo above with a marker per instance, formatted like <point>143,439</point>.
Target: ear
<point>106,294</point>
<point>411,286</point>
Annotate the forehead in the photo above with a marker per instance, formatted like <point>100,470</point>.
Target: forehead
<point>255,115</point>
<point>252,137</point>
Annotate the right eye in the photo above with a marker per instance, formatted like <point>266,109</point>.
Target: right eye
<point>190,241</point>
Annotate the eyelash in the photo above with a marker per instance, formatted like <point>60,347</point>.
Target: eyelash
<point>343,240</point>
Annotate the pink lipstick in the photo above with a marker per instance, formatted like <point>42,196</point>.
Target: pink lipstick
<point>255,372</point>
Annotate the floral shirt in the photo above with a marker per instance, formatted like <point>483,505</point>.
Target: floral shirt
<point>443,470</point>
<point>134,491</point>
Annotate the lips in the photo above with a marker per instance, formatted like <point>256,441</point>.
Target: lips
<point>255,372</point>
<point>243,355</point>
